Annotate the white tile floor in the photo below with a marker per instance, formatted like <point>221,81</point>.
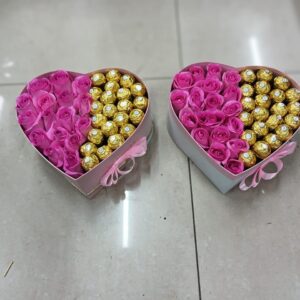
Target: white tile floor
<point>164,232</point>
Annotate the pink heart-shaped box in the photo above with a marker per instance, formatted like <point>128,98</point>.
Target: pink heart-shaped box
<point>219,176</point>
<point>91,182</point>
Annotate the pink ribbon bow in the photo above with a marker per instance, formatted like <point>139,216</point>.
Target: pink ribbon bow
<point>116,171</point>
<point>259,173</point>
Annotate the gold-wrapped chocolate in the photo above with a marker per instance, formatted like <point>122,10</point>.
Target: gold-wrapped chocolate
<point>95,93</point>
<point>98,79</point>
<point>140,102</point>
<point>292,95</point>
<point>277,95</point>
<point>125,106</point>
<point>248,158</point>
<point>292,121</point>
<point>112,86</point>
<point>137,89</point>
<point>273,121</point>
<point>279,109</point>
<point>249,136</point>
<point>127,130</point>
<point>89,162</point>
<point>121,118</point>
<point>262,149</point>
<point>103,152</point>
<point>109,110</point>
<point>281,82</point>
<point>260,128</point>
<point>98,120</point>
<point>113,75</point>
<point>87,149</point>
<point>95,136</point>
<point>108,97</point>
<point>283,132</point>
<point>248,75</point>
<point>123,93</point>
<point>262,87</point>
<point>109,128</point>
<point>294,108</point>
<point>247,90</point>
<point>273,140</point>
<point>264,74</point>
<point>260,113</point>
<point>127,80</point>
<point>136,116</point>
<point>115,141</point>
<point>246,118</point>
<point>248,103</point>
<point>263,100</point>
<point>96,107</point>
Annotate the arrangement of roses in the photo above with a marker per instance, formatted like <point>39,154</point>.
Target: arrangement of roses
<point>207,102</point>
<point>54,113</point>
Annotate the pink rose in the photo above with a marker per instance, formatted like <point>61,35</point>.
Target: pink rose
<point>211,85</point>
<point>231,77</point>
<point>58,133</point>
<point>232,92</point>
<point>55,154</point>
<point>178,99</point>
<point>24,102</point>
<point>214,71</point>
<point>81,84</point>
<point>196,98</point>
<point>65,98</point>
<point>235,126</point>
<point>65,116</point>
<point>213,100</point>
<point>60,80</point>
<point>38,84</point>
<point>82,104</point>
<point>29,119</point>
<point>236,146</point>
<point>43,100</point>
<point>48,117</point>
<point>188,118</point>
<point>201,136</point>
<point>72,163</point>
<point>73,141</point>
<point>38,137</point>
<point>198,72</point>
<point>232,108</point>
<point>211,118</point>
<point>235,166</point>
<point>83,125</point>
<point>220,134</point>
<point>219,152</point>
<point>183,80</point>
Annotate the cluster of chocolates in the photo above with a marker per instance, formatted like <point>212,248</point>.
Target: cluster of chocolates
<point>270,114</point>
<point>118,105</point>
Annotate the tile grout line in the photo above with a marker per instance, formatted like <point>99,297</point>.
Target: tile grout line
<point>12,83</point>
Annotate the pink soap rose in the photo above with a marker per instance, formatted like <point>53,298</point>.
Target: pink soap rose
<point>178,99</point>
<point>211,85</point>
<point>60,80</point>
<point>232,108</point>
<point>24,102</point>
<point>55,154</point>
<point>73,141</point>
<point>65,116</point>
<point>72,163</point>
<point>214,101</point>
<point>235,126</point>
<point>29,119</point>
<point>81,84</point>
<point>235,166</point>
<point>188,118</point>
<point>197,72</point>
<point>43,100</point>
<point>232,92</point>
<point>220,134</point>
<point>231,77</point>
<point>183,80</point>
<point>236,146</point>
<point>82,103</point>
<point>201,136</point>
<point>219,152</point>
<point>211,118</point>
<point>38,84</point>
<point>83,125</point>
<point>38,137</point>
<point>48,117</point>
<point>214,71</point>
<point>58,133</point>
<point>196,98</point>
<point>65,98</point>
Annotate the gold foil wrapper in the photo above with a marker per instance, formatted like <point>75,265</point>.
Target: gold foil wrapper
<point>108,97</point>
<point>123,93</point>
<point>262,87</point>
<point>273,140</point>
<point>96,107</point>
<point>249,136</point>
<point>279,109</point>
<point>125,106</point>
<point>127,80</point>
<point>127,130</point>
<point>281,82</point>
<point>95,136</point>
<point>264,74</point>
<point>246,118</point>
<point>103,152</point>
<point>88,149</point>
<point>293,108</point>
<point>277,95</point>
<point>248,103</point>
<point>112,86</point>
<point>121,118</point>
<point>109,128</point>
<point>115,141</point>
<point>98,120</point>
<point>262,149</point>
<point>292,95</point>
<point>248,158</point>
<point>136,116</point>
<point>292,121</point>
<point>89,162</point>
<point>260,113</point>
<point>283,132</point>
<point>260,128</point>
<point>137,89</point>
<point>247,90</point>
<point>109,110</point>
<point>263,101</point>
<point>113,75</point>
<point>248,75</point>
<point>98,79</point>
<point>140,102</point>
<point>273,121</point>
<point>95,93</point>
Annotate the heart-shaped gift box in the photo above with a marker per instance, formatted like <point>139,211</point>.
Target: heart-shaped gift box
<point>222,178</point>
<point>121,161</point>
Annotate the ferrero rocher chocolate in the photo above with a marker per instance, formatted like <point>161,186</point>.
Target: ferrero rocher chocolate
<point>113,75</point>
<point>248,103</point>
<point>108,97</point>
<point>123,93</point>
<point>277,95</point>
<point>247,90</point>
<point>260,128</point>
<point>246,118</point>
<point>125,106</point>
<point>137,89</point>
<point>115,141</point>
<point>249,136</point>
<point>248,75</point>
<point>121,118</point>
<point>109,128</point>
<point>281,82</point>
<point>273,121</point>
<point>260,113</point>
<point>103,152</point>
<point>292,95</point>
<point>264,74</point>
<point>127,130</point>
<point>292,121</point>
<point>87,149</point>
<point>262,149</point>
<point>248,158</point>
<point>136,116</point>
<point>96,107</point>
<point>293,108</point>
<point>112,86</point>
<point>279,109</point>
<point>127,80</point>
<point>263,100</point>
<point>89,162</point>
<point>95,92</point>
<point>98,79</point>
<point>273,141</point>
<point>95,136</point>
<point>283,132</point>
<point>262,87</point>
<point>140,102</point>
<point>109,110</point>
<point>98,120</point>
